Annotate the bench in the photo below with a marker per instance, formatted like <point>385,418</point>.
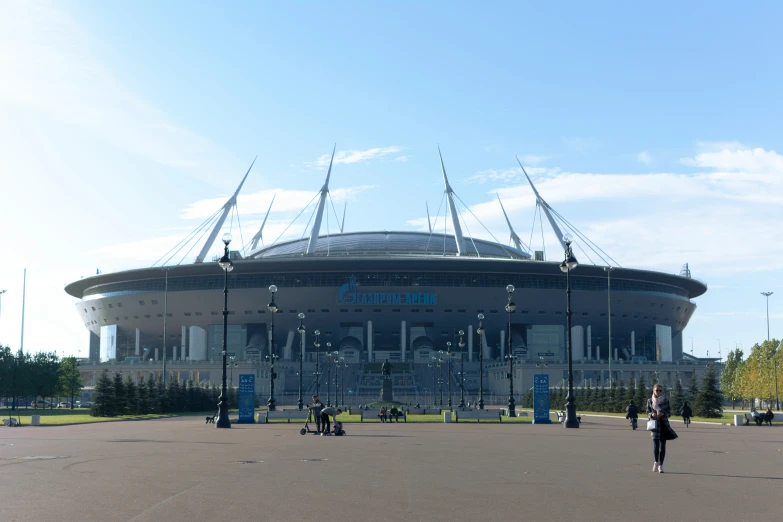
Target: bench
<point>758,420</point>
<point>375,414</point>
<point>493,415</point>
<point>10,422</point>
<point>287,414</point>
<point>425,411</point>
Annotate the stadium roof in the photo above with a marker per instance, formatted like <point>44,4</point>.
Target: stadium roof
<point>383,243</point>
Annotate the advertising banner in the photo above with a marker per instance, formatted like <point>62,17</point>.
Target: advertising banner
<point>247,398</point>
<point>541,399</point>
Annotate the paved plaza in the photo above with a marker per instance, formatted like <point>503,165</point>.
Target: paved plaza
<point>181,469</point>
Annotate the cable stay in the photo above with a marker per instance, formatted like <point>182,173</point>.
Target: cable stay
<point>489,232</point>
<point>260,234</point>
<point>429,224</point>
<point>176,248</point>
<point>432,227</point>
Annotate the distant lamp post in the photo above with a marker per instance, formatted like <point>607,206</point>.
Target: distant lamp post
<point>73,379</point>
<point>301,330</point>
<point>227,265</point>
<point>608,270</point>
<point>328,374</point>
<point>448,373</point>
<point>568,264</point>
<point>317,373</point>
<point>774,358</point>
<point>343,366</point>
<point>510,307</point>
<point>272,306</point>
<point>231,365</point>
<point>440,378</point>
<point>461,370</point>
<point>480,332</point>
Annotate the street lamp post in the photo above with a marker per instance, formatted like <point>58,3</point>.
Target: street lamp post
<point>480,332</point>
<point>608,270</point>
<point>336,361</point>
<point>510,307</point>
<point>73,379</point>
<point>440,379</point>
<point>301,330</point>
<point>227,265</point>
<point>272,306</point>
<point>461,370</point>
<point>774,358</point>
<point>448,373</point>
<point>568,264</point>
<point>328,374</point>
<point>317,373</point>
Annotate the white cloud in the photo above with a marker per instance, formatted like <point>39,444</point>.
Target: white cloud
<point>352,156</point>
<point>511,175</point>
<point>402,158</point>
<point>670,218</point>
<point>49,66</point>
<point>746,160</point>
<point>644,157</point>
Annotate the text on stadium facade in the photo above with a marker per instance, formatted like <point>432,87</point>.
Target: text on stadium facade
<point>348,295</point>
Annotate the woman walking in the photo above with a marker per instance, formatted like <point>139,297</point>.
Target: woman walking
<point>659,410</point>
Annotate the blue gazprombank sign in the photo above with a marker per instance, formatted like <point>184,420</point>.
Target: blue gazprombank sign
<point>247,398</point>
<point>348,294</point>
<point>541,399</point>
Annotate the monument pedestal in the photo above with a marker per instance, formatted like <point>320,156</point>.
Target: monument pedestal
<point>386,391</point>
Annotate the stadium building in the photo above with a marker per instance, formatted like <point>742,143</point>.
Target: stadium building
<point>396,296</point>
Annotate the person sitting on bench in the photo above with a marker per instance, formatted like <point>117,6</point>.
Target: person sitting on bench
<point>382,414</point>
<point>394,412</point>
<point>768,416</point>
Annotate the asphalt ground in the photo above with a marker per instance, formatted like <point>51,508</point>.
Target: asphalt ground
<point>181,469</point>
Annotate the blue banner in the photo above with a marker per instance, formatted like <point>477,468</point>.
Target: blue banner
<point>247,398</point>
<point>541,399</point>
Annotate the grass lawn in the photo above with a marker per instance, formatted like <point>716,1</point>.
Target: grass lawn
<point>726,418</point>
<point>77,416</point>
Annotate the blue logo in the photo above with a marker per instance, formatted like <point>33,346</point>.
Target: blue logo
<point>348,295</point>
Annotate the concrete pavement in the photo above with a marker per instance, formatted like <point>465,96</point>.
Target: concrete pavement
<point>181,469</point>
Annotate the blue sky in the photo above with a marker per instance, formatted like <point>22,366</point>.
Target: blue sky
<point>653,128</point>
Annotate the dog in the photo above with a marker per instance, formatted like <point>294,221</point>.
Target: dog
<point>211,419</point>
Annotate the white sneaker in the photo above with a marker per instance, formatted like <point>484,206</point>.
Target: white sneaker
<point>660,468</point>
<point>656,468</point>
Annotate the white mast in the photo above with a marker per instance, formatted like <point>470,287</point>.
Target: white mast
<point>454,216</point>
<point>320,210</point>
<point>342,225</point>
<point>429,223</point>
<point>226,208</point>
<point>260,234</point>
<point>546,208</point>
<point>514,236</point>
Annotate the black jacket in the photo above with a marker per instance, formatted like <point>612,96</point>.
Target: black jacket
<point>686,411</point>
<point>631,412</point>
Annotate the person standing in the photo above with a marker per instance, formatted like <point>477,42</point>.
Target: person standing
<point>659,410</point>
<point>325,421</point>
<point>316,408</point>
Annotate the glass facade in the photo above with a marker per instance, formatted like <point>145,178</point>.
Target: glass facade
<point>381,279</point>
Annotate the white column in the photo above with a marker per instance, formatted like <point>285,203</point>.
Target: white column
<point>174,353</point>
<point>156,354</point>
<point>615,354</point>
<point>197,349</point>
<point>589,343</point>
<point>633,343</point>
<point>138,342</point>
<point>369,341</point>
<point>288,344</point>
<point>403,342</point>
<point>502,343</point>
<point>470,343</point>
<point>578,342</point>
<point>184,343</point>
<point>485,345</point>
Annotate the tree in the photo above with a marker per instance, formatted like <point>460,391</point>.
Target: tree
<point>693,388</point>
<point>729,383</point>
<point>120,395</point>
<point>709,399</point>
<point>104,405</point>
<point>640,397</point>
<point>132,393</point>
<point>757,374</point>
<point>677,395</point>
<point>70,383</point>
